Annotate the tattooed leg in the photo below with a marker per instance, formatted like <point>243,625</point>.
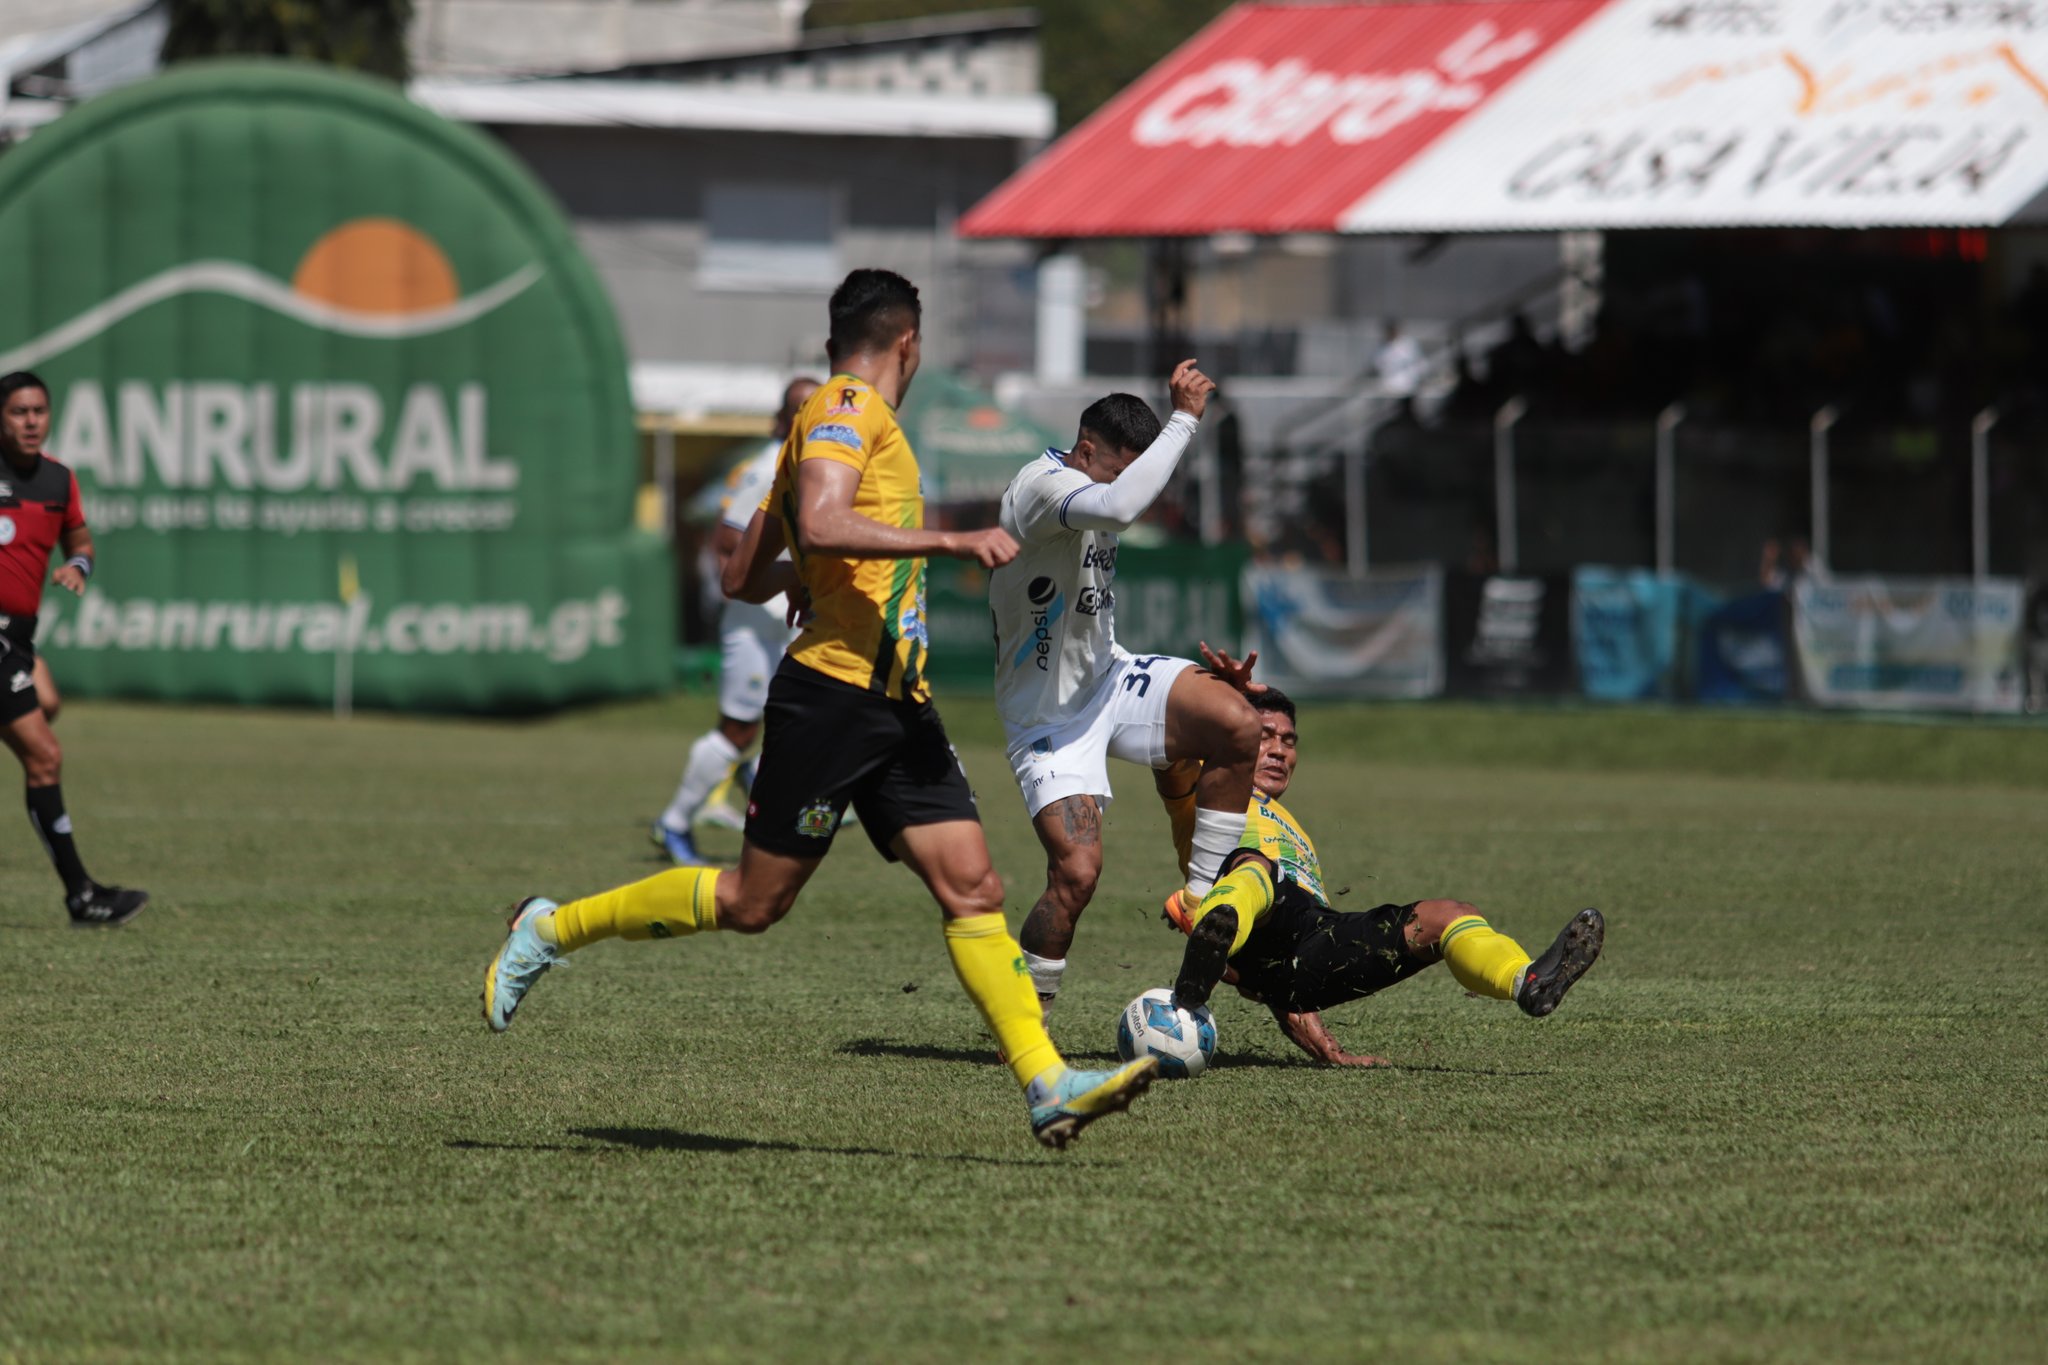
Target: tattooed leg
<point>1071,831</point>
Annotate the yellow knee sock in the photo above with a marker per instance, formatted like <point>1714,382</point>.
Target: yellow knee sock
<point>1484,961</point>
<point>683,900</point>
<point>1248,890</point>
<point>991,967</point>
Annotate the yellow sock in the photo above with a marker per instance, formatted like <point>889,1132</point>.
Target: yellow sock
<point>1248,890</point>
<point>991,967</point>
<point>1180,814</point>
<point>683,900</point>
<point>1484,961</point>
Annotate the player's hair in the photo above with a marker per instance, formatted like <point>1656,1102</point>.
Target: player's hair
<point>1123,420</point>
<point>869,310</point>
<point>1273,699</point>
<point>11,384</point>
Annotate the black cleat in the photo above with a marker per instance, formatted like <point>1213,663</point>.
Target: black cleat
<point>1207,954</point>
<point>104,907</point>
<point>1562,963</point>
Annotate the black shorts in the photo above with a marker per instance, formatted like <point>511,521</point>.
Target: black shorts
<point>17,668</point>
<point>1305,956</point>
<point>828,743</point>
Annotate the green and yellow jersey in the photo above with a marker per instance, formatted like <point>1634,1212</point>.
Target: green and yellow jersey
<point>1272,830</point>
<point>1269,829</point>
<point>866,624</point>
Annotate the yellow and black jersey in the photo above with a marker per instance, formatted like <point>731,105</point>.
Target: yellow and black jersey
<point>866,624</point>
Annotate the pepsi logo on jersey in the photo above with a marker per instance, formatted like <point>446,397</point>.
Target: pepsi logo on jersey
<point>1046,604</point>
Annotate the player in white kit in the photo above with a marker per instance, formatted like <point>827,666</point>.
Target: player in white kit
<point>751,641</point>
<point>1070,697</point>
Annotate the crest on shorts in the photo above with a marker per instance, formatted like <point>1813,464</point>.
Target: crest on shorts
<point>816,821</point>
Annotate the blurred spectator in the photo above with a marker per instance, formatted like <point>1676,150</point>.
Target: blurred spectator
<point>1782,562</point>
<point>1400,363</point>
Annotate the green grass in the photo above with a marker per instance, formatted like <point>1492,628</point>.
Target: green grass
<point>1795,1113</point>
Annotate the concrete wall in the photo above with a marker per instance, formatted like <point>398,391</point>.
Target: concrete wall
<point>499,36</point>
<point>636,199</point>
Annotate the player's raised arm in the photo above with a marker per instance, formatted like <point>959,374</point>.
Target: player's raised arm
<point>1117,504</point>
<point>827,524</point>
<point>1236,672</point>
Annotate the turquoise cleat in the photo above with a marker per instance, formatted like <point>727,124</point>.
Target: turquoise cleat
<point>1072,1100</point>
<point>523,959</point>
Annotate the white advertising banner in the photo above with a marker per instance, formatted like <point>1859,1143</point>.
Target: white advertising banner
<point>1948,644</point>
<point>1703,113</point>
<point>1322,633</point>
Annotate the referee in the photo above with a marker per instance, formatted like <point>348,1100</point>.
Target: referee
<point>39,511</point>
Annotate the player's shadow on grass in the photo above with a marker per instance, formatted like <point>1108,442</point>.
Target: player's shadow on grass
<point>882,1047</point>
<point>675,1140</point>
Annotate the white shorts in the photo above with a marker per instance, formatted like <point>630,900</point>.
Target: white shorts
<point>751,643</point>
<point>1127,721</point>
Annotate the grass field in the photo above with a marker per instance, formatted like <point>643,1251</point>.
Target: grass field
<point>1796,1113</point>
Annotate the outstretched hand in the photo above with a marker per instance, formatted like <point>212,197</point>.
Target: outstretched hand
<point>1236,672</point>
<point>1190,389</point>
<point>991,548</point>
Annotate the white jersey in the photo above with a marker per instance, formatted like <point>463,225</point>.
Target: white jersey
<point>746,487</point>
<point>1054,604</point>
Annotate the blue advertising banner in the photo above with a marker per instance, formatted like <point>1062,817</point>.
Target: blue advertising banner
<point>1625,632</point>
<point>1743,655</point>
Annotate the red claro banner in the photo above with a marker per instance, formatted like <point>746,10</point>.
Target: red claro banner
<point>1275,118</point>
<point>1558,114</point>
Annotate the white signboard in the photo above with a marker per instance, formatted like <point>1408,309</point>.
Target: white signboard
<point>1910,643</point>
<point>1694,113</point>
<point>1324,633</point>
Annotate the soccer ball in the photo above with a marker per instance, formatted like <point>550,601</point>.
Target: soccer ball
<point>1153,1026</point>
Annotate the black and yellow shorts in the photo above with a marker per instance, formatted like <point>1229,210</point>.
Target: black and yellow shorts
<point>1305,956</point>
<point>828,744</point>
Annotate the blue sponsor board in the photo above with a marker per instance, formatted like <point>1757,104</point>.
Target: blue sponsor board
<point>1743,653</point>
<point>1626,632</point>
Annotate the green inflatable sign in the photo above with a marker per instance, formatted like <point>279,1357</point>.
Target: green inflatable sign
<point>344,400</point>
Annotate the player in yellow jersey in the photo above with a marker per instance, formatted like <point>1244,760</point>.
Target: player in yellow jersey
<point>849,720</point>
<point>1268,928</point>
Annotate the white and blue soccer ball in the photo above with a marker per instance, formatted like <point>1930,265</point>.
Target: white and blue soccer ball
<point>1153,1026</point>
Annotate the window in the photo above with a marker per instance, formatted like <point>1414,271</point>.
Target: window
<point>770,237</point>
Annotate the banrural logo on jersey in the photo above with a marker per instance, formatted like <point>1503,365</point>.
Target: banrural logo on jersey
<point>292,322</point>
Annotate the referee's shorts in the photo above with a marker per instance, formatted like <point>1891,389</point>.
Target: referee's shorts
<point>17,668</point>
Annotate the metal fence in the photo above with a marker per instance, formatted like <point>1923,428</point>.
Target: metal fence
<point>1522,492</point>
